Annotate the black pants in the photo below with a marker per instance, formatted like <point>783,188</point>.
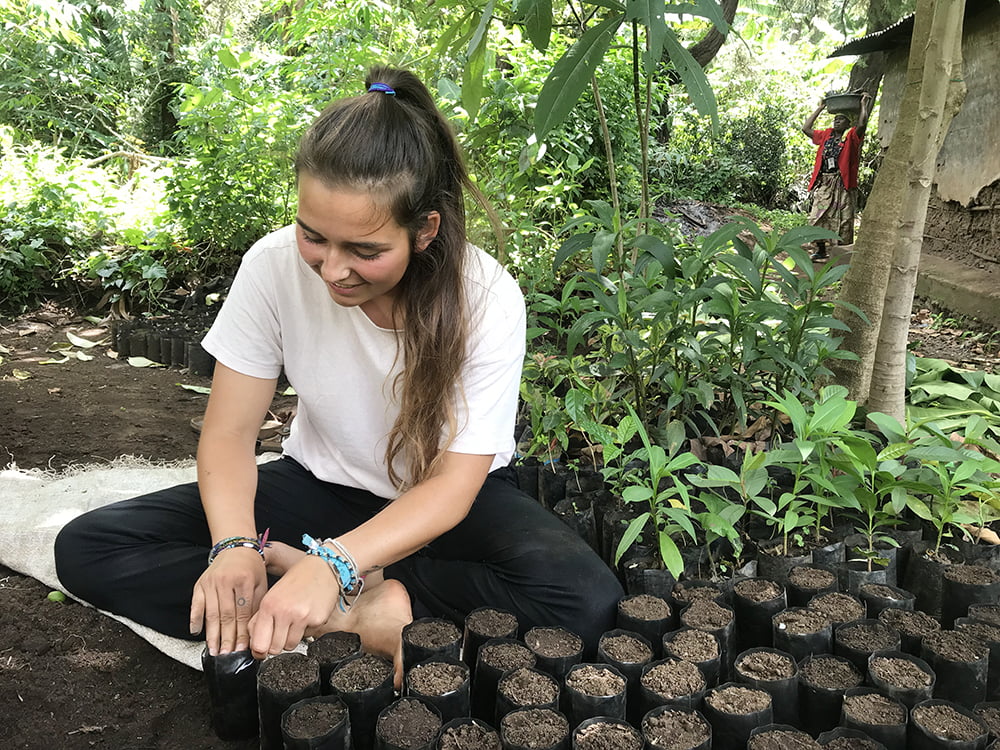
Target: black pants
<point>140,558</point>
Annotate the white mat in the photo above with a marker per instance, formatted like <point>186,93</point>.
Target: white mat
<point>35,505</point>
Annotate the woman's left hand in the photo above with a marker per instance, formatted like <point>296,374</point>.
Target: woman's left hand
<point>304,598</point>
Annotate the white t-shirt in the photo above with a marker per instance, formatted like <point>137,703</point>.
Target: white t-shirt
<point>279,314</point>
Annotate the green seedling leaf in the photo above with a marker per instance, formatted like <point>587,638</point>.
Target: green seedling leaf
<point>195,388</point>
<point>289,391</point>
<point>62,361</point>
<point>143,362</point>
<point>83,356</point>
<point>56,596</point>
<point>93,319</point>
<point>21,374</point>
<point>60,346</point>
<point>4,349</point>
<point>80,341</point>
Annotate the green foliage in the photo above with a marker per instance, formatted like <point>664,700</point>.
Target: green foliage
<point>240,134</point>
<point>658,487</point>
<point>90,76</point>
<point>948,395</point>
<point>62,216</point>
<point>819,431</point>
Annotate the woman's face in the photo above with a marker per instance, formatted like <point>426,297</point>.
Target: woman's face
<point>360,253</point>
<point>841,123</point>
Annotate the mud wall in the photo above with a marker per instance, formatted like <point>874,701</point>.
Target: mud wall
<point>967,235</point>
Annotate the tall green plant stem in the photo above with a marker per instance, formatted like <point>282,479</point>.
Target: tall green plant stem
<point>642,109</point>
<point>612,170</point>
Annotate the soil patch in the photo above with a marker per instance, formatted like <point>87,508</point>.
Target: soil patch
<point>674,678</point>
<point>738,700</point>
<point>408,723</point>
<point>830,673</point>
<point>592,679</point>
<point>838,607</point>
<point>875,709</point>
<point>945,721</point>
<point>693,645</point>
<point>899,673</point>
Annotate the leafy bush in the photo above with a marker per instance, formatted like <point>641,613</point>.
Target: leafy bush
<point>63,217</point>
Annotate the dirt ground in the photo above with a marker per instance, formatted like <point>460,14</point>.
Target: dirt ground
<point>69,677</point>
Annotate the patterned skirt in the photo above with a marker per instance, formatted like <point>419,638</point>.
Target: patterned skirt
<point>833,206</point>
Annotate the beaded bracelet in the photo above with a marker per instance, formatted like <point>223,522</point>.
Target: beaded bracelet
<point>231,542</point>
<point>342,565</point>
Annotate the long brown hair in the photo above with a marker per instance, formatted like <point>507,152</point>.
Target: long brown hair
<point>400,149</point>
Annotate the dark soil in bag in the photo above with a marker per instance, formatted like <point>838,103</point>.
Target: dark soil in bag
<point>858,640</point>
<point>823,680</point>
<point>407,723</point>
<point>283,680</point>
<point>671,728</point>
<point>536,728</point>
<point>496,656</point>
<point>901,676</point>
<point>965,585</point>
<point>802,632</point>
<point>755,602</point>
<point>428,638</point>
<point>526,688</point>
<point>839,607</point>
<point>775,672</point>
<point>556,649</point>
<point>330,650</point>
<point>807,581</point>
<point>444,684</point>
<point>482,625</point>
<point>880,596</point>
<point>942,724</point>
<point>842,738</point>
<point>781,737</point>
<point>671,681</point>
<point>912,625</point>
<point>961,663</point>
<point>882,718</point>
<point>468,734</point>
<point>594,690</point>
<point>649,616</point>
<point>734,711</point>
<point>605,733</point>
<point>698,647</point>
<point>319,723</point>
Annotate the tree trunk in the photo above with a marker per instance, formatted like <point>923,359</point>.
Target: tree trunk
<point>941,92</point>
<point>868,278</point>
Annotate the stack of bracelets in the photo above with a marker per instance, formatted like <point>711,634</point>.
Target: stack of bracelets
<point>230,542</point>
<point>342,565</point>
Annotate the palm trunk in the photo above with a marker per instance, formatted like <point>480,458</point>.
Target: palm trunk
<point>866,282</point>
<point>940,93</point>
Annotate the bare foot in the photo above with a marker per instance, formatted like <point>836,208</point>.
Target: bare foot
<point>279,557</point>
<point>378,616</point>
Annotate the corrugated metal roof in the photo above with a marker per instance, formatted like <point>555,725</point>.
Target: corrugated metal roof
<point>898,35</point>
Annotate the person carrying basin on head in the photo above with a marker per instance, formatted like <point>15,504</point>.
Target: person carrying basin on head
<point>833,186</point>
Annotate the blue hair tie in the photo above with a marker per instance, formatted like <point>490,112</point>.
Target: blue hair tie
<point>383,87</point>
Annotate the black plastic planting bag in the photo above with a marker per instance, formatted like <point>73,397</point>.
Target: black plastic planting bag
<point>232,693</point>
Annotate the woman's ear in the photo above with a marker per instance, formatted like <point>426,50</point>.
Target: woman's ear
<point>428,231</point>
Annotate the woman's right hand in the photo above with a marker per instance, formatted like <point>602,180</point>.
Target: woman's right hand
<point>225,598</point>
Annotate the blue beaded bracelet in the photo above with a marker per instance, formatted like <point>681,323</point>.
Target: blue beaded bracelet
<point>343,567</point>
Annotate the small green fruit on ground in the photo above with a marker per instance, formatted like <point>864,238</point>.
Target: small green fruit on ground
<point>56,596</point>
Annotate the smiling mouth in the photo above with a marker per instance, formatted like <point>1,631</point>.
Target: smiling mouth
<point>344,286</point>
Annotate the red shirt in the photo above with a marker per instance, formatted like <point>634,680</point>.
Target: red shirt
<point>847,162</point>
